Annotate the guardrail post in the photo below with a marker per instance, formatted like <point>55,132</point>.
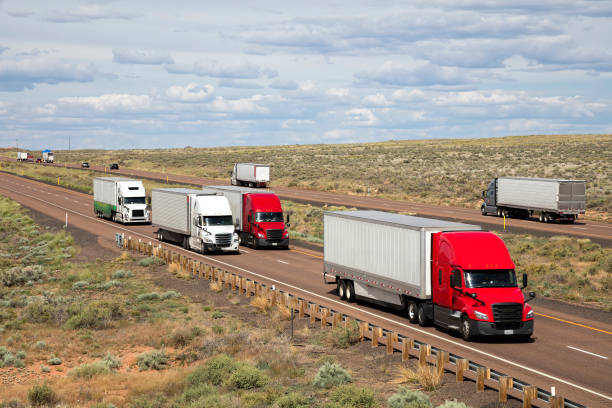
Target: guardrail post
<point>324,316</point>
<point>441,359</point>
<point>272,297</point>
<point>557,402</point>
<point>301,307</point>
<point>530,393</point>
<point>424,351</point>
<point>462,365</point>
<point>407,343</point>
<point>482,373</point>
<point>505,384</point>
<point>363,329</point>
<point>347,322</point>
<point>390,341</point>
<point>377,333</point>
<point>313,311</point>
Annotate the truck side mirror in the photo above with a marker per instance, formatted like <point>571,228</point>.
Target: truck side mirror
<point>484,193</point>
<point>287,218</point>
<point>524,281</point>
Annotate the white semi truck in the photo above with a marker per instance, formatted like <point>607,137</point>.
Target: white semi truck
<point>47,156</point>
<point>120,199</point>
<point>251,175</point>
<point>24,156</point>
<point>551,199</point>
<point>197,219</point>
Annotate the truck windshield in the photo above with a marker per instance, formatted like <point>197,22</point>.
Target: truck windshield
<point>134,200</point>
<point>269,217</point>
<point>218,220</point>
<point>490,278</point>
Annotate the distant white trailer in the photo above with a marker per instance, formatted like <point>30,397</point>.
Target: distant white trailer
<point>251,175</point>
<point>552,199</point>
<point>23,156</point>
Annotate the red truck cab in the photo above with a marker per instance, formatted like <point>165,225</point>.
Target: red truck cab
<point>474,286</point>
<point>262,221</point>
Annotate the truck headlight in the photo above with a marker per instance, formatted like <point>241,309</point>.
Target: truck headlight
<point>285,234</point>
<point>529,314</point>
<point>260,235</point>
<point>481,316</point>
<point>235,237</point>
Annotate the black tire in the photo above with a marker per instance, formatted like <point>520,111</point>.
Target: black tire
<point>466,329</point>
<point>350,291</point>
<point>499,212</point>
<point>186,243</point>
<point>422,317</point>
<point>541,217</point>
<point>483,211</point>
<point>341,284</point>
<point>413,311</point>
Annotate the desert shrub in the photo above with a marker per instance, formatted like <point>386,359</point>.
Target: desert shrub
<point>247,377</point>
<point>171,294</point>
<point>215,371</point>
<point>41,395</point>
<point>96,315</point>
<point>80,285</point>
<point>111,361</point>
<point>54,361</point>
<point>150,400</point>
<point>345,336</point>
<point>148,296</point>
<point>40,345</point>
<point>18,275</point>
<point>293,400</point>
<point>330,375</point>
<point>198,391</point>
<point>217,314</point>
<point>180,337</point>
<point>122,274</point>
<point>350,396</point>
<point>407,398</point>
<point>21,355</point>
<point>152,360</point>
<point>11,404</point>
<point>103,405</point>
<point>89,371</point>
<point>147,261</point>
<point>45,369</point>
<point>453,404</point>
<point>109,284</point>
<point>38,312</point>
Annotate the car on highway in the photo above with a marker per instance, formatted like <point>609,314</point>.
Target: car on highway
<point>114,166</point>
<point>39,160</point>
<point>85,165</point>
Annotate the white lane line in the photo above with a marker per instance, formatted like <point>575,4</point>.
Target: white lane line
<point>582,228</point>
<point>245,251</point>
<point>587,352</point>
<point>286,263</point>
<point>344,304</point>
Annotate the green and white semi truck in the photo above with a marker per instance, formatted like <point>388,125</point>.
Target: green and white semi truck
<point>120,199</point>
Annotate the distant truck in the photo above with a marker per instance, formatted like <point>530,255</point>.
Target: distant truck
<point>47,156</point>
<point>120,199</point>
<point>24,156</point>
<point>197,219</point>
<point>251,175</point>
<point>441,272</point>
<point>258,216</point>
<point>520,197</point>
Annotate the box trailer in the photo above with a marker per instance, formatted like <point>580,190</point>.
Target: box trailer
<point>197,219</point>
<point>433,269</point>
<point>250,174</point>
<point>551,199</point>
<point>47,156</point>
<point>24,156</point>
<point>120,199</point>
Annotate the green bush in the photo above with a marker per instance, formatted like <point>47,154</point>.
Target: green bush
<point>38,312</point>
<point>45,369</point>
<point>453,404</point>
<point>40,345</point>
<point>247,377</point>
<point>345,337</point>
<point>109,284</point>
<point>147,261</point>
<point>293,400</point>
<point>89,371</point>
<point>148,296</point>
<point>96,315</point>
<point>152,360</point>
<point>350,396</point>
<point>171,294</point>
<point>41,395</point>
<point>217,314</point>
<point>198,391</point>
<point>122,274</point>
<point>407,398</point>
<point>330,375</point>
<point>18,275</point>
<point>54,361</point>
<point>215,371</point>
<point>80,285</point>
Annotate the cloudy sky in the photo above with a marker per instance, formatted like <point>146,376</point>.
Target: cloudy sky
<point>142,74</point>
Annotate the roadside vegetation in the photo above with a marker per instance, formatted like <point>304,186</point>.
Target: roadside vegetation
<point>441,171</point>
<point>102,334</point>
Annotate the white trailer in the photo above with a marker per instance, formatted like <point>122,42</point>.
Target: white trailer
<point>120,199</point>
<point>250,174</point>
<point>23,156</point>
<point>47,156</point>
<point>552,199</point>
<point>197,219</point>
<point>385,256</point>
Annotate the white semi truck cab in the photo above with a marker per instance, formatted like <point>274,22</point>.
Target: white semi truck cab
<point>120,199</point>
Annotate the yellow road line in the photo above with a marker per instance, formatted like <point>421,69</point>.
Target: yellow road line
<point>574,323</point>
<point>306,253</point>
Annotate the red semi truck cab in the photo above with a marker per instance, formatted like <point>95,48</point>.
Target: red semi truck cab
<point>474,286</point>
<point>262,221</point>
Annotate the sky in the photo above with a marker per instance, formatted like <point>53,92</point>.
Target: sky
<point>150,74</point>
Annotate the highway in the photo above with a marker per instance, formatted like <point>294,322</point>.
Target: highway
<point>570,352</point>
<point>596,231</point>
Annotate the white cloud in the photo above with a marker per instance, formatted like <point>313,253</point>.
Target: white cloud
<point>243,105</point>
<point>480,98</point>
<point>413,72</point>
<point>47,109</point>
<point>338,92</point>
<point>110,102</point>
<point>297,123</point>
<point>125,56</point>
<point>25,73</point>
<point>289,84</point>
<point>307,86</point>
<point>338,134</point>
<point>3,108</point>
<point>362,116</point>
<point>192,92</point>
<point>215,69</point>
<point>377,99</point>
<point>404,95</point>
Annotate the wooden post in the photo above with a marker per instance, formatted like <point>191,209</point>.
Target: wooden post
<point>363,329</point>
<point>423,355</point>
<point>301,311</point>
<point>337,320</point>
<point>324,316</point>
<point>377,333</point>
<point>481,375</point>
<point>530,393</point>
<point>272,297</point>
<point>505,384</point>
<point>441,359</point>
<point>462,365</point>
<point>313,311</point>
<point>407,343</point>
<point>557,402</point>
<point>390,339</point>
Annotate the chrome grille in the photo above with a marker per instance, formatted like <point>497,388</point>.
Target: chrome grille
<point>507,315</point>
<point>223,239</point>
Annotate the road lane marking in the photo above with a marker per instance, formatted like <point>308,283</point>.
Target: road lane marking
<point>286,263</point>
<point>574,323</point>
<point>245,251</point>
<point>306,253</point>
<point>344,304</point>
<point>587,352</point>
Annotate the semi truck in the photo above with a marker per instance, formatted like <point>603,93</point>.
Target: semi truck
<point>453,275</point>
<point>47,156</point>
<point>24,156</point>
<point>521,197</point>
<point>120,199</point>
<point>200,220</point>
<point>251,175</point>
<point>258,216</point>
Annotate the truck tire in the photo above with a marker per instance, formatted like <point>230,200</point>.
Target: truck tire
<point>422,317</point>
<point>341,289</point>
<point>499,212</point>
<point>541,217</point>
<point>350,291</point>
<point>186,243</point>
<point>466,329</point>
<point>483,210</point>
<point>413,311</point>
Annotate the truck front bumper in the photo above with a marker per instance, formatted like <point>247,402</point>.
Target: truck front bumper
<point>480,328</point>
<point>262,242</point>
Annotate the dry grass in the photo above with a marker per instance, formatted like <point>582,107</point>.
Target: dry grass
<point>284,312</point>
<point>215,286</point>
<point>261,303</point>
<point>428,377</point>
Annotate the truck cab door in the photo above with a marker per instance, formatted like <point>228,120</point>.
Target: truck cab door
<point>457,297</point>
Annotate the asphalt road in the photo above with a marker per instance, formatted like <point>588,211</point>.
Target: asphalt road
<point>598,232</point>
<point>571,352</point>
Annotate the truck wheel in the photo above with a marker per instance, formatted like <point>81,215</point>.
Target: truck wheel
<point>422,317</point>
<point>483,211</point>
<point>350,291</point>
<point>541,218</point>
<point>341,289</point>
<point>413,312</point>
<point>499,212</point>
<point>466,329</point>
<point>186,243</point>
